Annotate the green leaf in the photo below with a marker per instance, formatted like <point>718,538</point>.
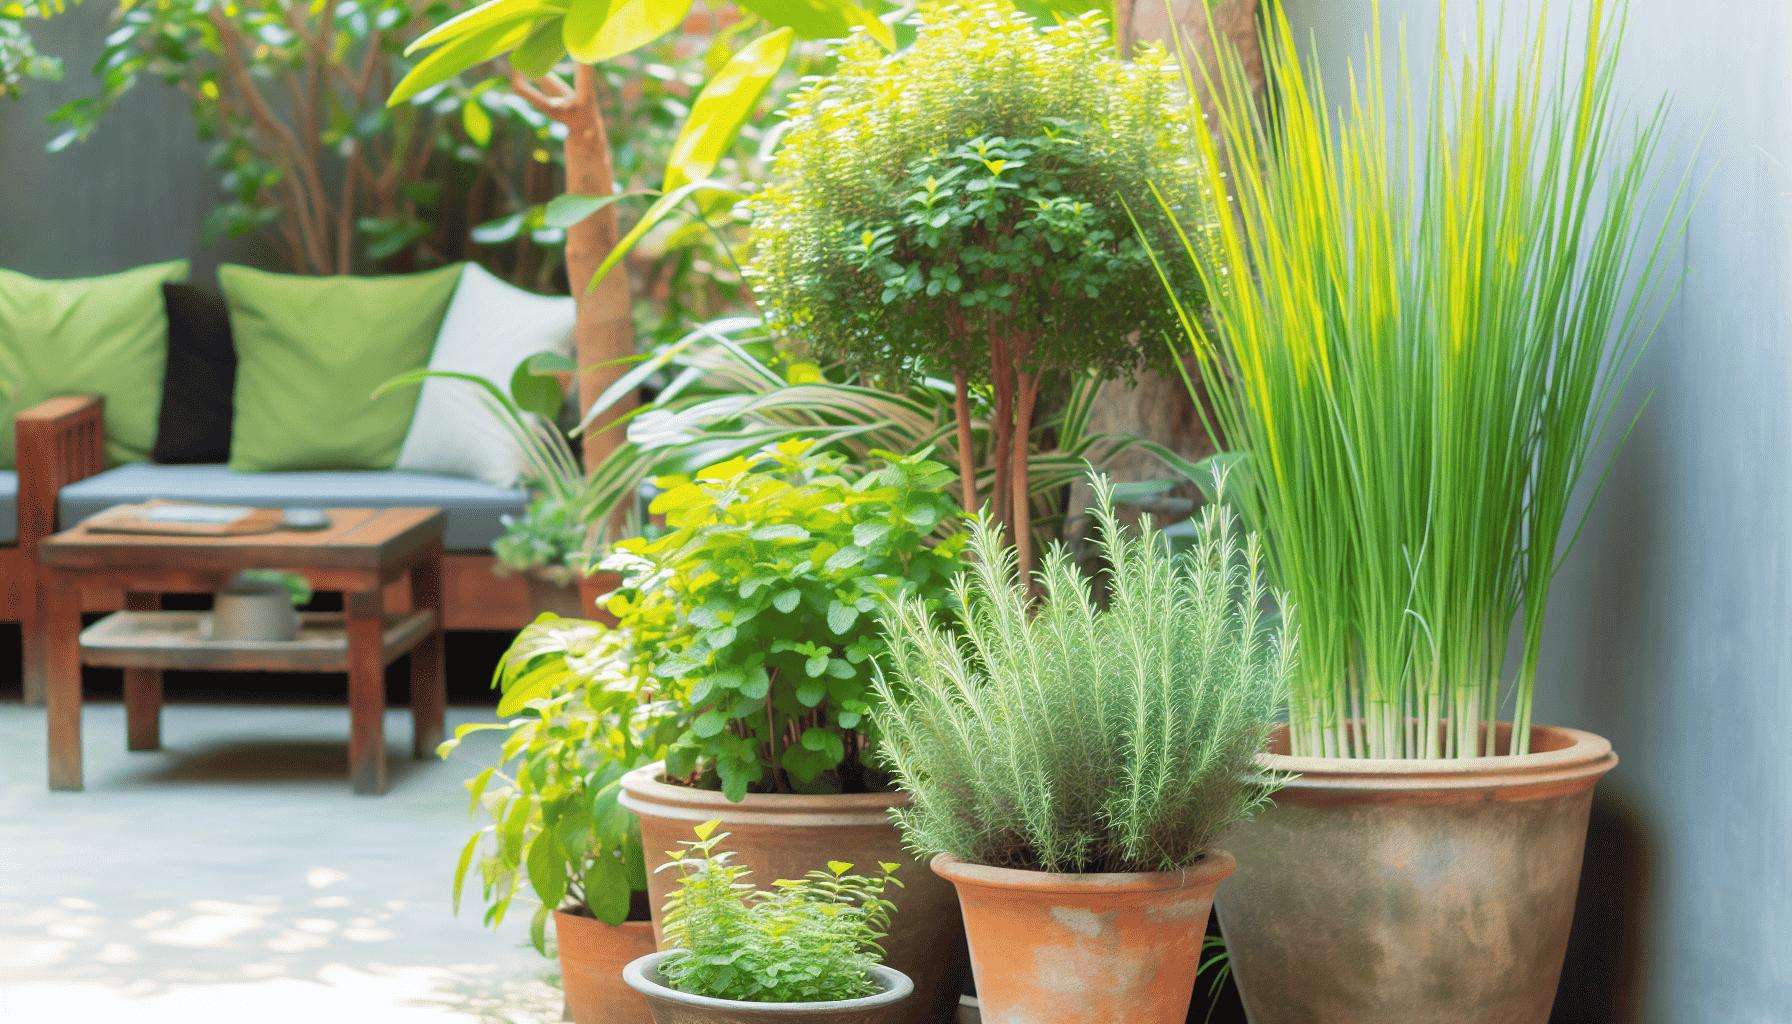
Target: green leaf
<point>538,928</point>
<point>476,789</point>
<point>607,888</point>
<point>710,723</point>
<point>461,54</point>
<point>547,868</point>
<point>503,229</point>
<point>625,26</point>
<point>514,821</point>
<point>821,19</point>
<point>536,55</point>
<point>841,617</point>
<point>659,211</point>
<point>477,122</point>
<point>845,558</point>
<point>539,393</point>
<point>866,534</point>
<point>460,869</point>
<point>566,210</point>
<point>724,106</point>
<point>537,682</point>
<point>484,16</point>
<point>611,823</point>
<point>787,601</point>
<point>782,531</point>
<point>809,692</point>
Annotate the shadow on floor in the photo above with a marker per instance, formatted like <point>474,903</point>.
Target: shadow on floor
<point>232,764</point>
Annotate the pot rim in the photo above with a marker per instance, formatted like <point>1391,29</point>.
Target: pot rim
<point>642,975</point>
<point>643,788</point>
<point>565,913</point>
<point>1577,755</point>
<point>1207,872</point>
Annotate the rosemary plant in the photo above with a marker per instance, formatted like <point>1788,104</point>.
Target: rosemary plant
<point>1073,739</point>
<point>1412,309</point>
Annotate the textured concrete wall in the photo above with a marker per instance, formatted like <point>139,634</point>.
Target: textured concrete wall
<point>1670,630</point>
<point>136,192</point>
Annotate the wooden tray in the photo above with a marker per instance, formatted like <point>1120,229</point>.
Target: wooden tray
<point>135,519</point>
<point>170,640</point>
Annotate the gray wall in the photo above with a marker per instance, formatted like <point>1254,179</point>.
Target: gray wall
<point>1670,630</point>
<point>136,192</point>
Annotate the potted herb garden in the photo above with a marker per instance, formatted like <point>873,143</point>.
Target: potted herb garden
<point>538,544</point>
<point>755,615</point>
<point>806,950</point>
<point>557,831</point>
<point>1073,768</point>
<point>1422,327</point>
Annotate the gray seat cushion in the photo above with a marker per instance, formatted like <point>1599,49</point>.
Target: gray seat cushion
<point>473,507</point>
<point>9,507</point>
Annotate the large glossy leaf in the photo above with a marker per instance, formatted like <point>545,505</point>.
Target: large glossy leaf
<point>628,26</point>
<point>536,55</point>
<point>821,19</point>
<point>486,15</point>
<point>566,210</point>
<point>724,106</point>
<point>462,53</point>
<point>584,20</point>
<point>547,868</point>
<point>606,888</point>
<point>659,211</point>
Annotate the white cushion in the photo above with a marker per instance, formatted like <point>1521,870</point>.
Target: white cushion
<point>490,327</point>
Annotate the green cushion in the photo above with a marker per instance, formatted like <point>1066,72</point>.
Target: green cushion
<point>87,336</point>
<point>310,353</point>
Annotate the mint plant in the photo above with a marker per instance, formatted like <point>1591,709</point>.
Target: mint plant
<point>759,610</point>
<point>543,536</point>
<point>812,939</point>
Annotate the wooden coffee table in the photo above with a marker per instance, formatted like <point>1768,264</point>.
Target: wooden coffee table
<point>361,552</point>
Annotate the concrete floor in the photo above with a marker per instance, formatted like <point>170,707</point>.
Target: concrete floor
<point>232,876</point>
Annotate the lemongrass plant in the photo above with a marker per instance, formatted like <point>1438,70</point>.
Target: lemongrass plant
<point>1424,313</point>
<point>1062,737</point>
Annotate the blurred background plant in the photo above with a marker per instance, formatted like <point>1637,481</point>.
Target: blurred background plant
<point>19,56</point>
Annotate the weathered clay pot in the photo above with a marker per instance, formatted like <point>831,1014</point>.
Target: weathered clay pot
<point>1412,891</point>
<point>785,836</point>
<point>1068,949</point>
<point>592,956</point>
<point>671,1006</point>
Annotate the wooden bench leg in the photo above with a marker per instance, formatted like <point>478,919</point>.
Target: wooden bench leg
<point>366,692</point>
<point>61,630</point>
<point>429,690</point>
<point>143,689</point>
<point>36,614</point>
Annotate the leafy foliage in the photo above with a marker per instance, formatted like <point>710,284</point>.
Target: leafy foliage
<point>1414,450</point>
<point>759,609</point>
<point>812,939</point>
<point>19,56</point>
<point>546,534</point>
<point>973,208</point>
<point>556,827</point>
<point>1077,739</point>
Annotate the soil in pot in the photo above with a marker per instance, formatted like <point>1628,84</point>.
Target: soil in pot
<point>787,836</point>
<point>1053,948</point>
<point>592,956</point>
<point>671,1006</point>
<point>1412,891</point>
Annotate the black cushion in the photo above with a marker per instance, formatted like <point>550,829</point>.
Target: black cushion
<point>200,379</point>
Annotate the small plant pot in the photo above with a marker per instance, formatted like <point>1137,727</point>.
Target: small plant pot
<point>250,610</point>
<point>671,1006</point>
<point>592,957</point>
<point>781,835</point>
<point>554,589</point>
<point>1051,948</point>
<point>1412,891</point>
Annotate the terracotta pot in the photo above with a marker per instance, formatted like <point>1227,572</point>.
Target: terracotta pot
<point>592,956</point>
<point>1069,949</point>
<point>671,1006</point>
<point>554,591</point>
<point>784,836</point>
<point>1412,891</point>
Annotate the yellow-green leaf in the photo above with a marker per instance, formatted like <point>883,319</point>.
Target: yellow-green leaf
<point>628,26</point>
<point>704,830</point>
<point>724,106</point>
<point>537,55</point>
<point>821,19</point>
<point>584,19</point>
<point>486,15</point>
<point>839,867</point>
<point>477,122</point>
<point>461,54</point>
<point>659,211</point>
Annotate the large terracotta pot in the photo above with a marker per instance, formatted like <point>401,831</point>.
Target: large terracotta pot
<point>671,1006</point>
<point>1412,891</point>
<point>785,836</point>
<point>1070,949</point>
<point>592,956</point>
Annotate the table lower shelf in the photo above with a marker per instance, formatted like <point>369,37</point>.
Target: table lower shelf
<point>171,640</point>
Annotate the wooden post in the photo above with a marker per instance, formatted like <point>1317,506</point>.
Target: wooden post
<point>142,689</point>
<point>366,691</point>
<point>62,670</point>
<point>429,691</point>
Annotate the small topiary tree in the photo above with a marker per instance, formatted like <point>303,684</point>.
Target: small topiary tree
<point>972,207</point>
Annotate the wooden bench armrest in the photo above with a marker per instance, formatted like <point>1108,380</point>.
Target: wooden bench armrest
<point>58,442</point>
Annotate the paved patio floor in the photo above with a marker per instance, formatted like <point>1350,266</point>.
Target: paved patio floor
<point>233,877</point>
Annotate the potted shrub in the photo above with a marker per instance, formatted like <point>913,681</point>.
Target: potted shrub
<point>556,828</point>
<point>1072,768</point>
<point>1449,293</point>
<point>807,950</point>
<point>974,208</point>
<point>756,615</point>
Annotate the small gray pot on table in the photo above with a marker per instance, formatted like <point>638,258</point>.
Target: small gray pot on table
<point>671,1006</point>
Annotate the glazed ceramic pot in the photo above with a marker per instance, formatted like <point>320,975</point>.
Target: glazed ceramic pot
<point>671,1006</point>
<point>1052,948</point>
<point>778,835</point>
<point>1412,891</point>
<point>592,956</point>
